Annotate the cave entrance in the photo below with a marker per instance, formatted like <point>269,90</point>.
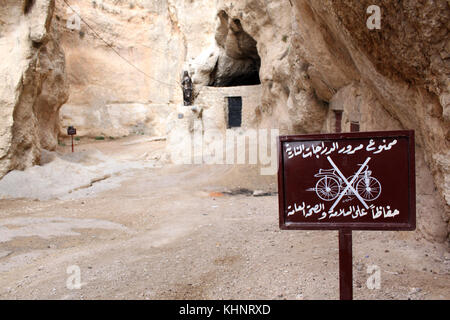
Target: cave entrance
<point>27,5</point>
<point>239,61</point>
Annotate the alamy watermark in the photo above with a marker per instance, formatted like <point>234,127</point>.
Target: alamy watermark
<point>374,280</point>
<point>73,282</point>
<point>374,20</point>
<point>213,146</point>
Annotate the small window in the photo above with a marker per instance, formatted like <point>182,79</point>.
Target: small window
<point>354,126</point>
<point>234,112</point>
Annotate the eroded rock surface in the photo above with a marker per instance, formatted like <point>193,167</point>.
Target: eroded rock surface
<point>32,83</point>
<point>125,61</point>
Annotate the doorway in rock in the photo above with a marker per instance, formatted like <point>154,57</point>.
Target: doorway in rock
<point>234,112</point>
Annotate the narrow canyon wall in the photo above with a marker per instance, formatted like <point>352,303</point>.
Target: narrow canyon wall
<point>32,82</point>
<point>125,60</point>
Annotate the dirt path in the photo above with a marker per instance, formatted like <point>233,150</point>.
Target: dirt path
<point>169,233</point>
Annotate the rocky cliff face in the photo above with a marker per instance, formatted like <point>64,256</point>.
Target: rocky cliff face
<point>125,60</point>
<point>32,83</point>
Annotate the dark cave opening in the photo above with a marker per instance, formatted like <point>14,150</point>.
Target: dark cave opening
<point>27,5</point>
<point>239,63</point>
<point>247,78</point>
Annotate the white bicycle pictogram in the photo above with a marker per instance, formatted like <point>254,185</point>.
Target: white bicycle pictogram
<point>330,184</point>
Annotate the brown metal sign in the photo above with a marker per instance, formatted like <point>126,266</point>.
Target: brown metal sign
<point>71,131</point>
<point>359,181</point>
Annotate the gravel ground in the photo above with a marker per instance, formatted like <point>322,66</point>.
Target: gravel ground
<point>194,232</point>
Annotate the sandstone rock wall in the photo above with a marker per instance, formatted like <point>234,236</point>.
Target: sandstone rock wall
<point>32,82</point>
<point>116,119</point>
<point>404,68</point>
<point>126,59</point>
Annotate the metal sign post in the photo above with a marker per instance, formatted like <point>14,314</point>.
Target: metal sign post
<point>345,182</point>
<point>345,264</point>
<point>346,254</point>
<point>71,131</point>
